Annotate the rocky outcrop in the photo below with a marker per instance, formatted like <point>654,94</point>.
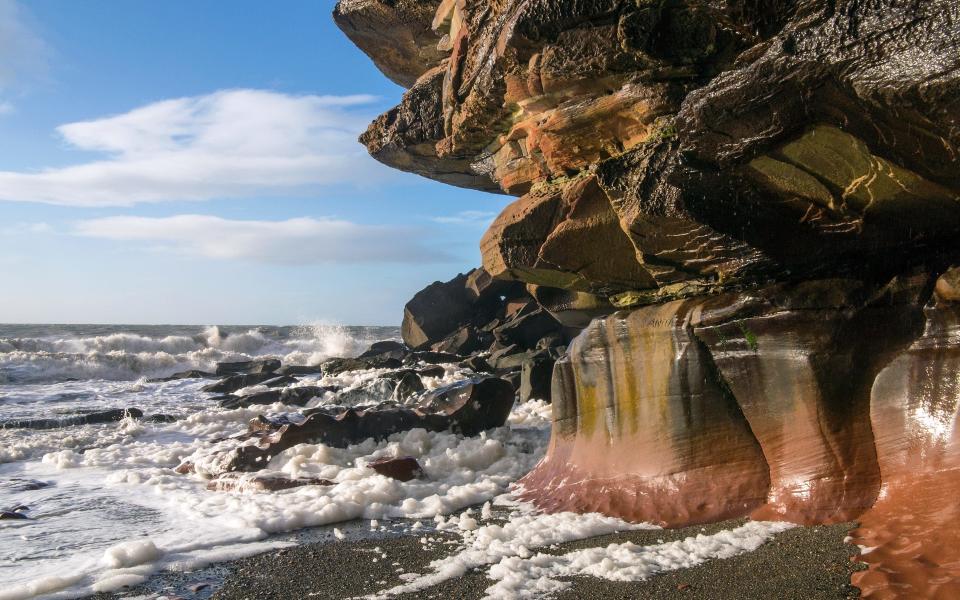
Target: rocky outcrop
<point>694,145</point>
<point>769,193</point>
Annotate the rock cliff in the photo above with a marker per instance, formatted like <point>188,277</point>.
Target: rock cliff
<point>766,193</point>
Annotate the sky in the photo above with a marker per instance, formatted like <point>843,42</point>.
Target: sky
<point>196,163</point>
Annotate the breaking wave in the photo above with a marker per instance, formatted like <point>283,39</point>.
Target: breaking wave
<point>122,355</point>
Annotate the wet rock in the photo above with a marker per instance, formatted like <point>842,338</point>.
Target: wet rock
<point>435,358</point>
<point>93,418</point>
<point>294,396</point>
<point>387,349</point>
<point>18,484</point>
<point>283,380</point>
<point>258,366</point>
<point>335,366</point>
<point>432,371</point>
<point>236,482</point>
<point>467,407</point>
<point>160,418</point>
<point>237,382</point>
<point>191,374</point>
<point>299,370</point>
<point>403,469</point>
<point>11,515</point>
<point>535,377</point>
<point>477,364</point>
<point>408,385</point>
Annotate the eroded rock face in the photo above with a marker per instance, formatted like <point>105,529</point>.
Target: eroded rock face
<point>695,144</point>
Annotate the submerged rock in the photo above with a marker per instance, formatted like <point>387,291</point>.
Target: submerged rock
<point>294,396</point>
<point>236,482</point>
<point>93,418</point>
<point>191,374</point>
<point>237,382</point>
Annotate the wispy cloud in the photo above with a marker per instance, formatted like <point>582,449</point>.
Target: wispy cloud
<point>24,55</point>
<point>229,144</point>
<point>291,242</point>
<point>467,217</point>
<point>27,229</point>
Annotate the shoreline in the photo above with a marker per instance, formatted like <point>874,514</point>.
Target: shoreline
<point>803,562</point>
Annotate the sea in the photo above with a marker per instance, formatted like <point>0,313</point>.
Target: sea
<point>105,508</point>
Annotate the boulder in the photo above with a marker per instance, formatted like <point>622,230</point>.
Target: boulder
<point>408,385</point>
<point>527,330</point>
<point>335,366</point>
<point>405,468</point>
<point>535,378</point>
<point>435,311</point>
<point>386,349</point>
<point>258,366</point>
<point>463,341</point>
<point>477,364</point>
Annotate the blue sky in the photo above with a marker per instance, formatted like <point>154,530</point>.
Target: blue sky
<point>196,162</point>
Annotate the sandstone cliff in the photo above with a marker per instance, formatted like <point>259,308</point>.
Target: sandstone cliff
<point>769,189</point>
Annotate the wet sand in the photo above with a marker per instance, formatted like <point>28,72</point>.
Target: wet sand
<point>803,563</point>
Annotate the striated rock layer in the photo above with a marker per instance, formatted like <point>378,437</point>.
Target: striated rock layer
<point>771,189</point>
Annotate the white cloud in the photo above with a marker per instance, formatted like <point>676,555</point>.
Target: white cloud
<point>292,242</point>
<point>467,217</point>
<point>23,54</point>
<point>6,108</point>
<point>232,143</point>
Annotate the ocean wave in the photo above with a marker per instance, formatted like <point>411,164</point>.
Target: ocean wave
<point>125,355</point>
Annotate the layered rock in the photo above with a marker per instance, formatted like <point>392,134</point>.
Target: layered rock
<point>772,189</point>
<point>695,144</point>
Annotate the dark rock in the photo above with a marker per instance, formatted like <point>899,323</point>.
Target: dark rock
<point>294,396</point>
<point>461,342</point>
<point>237,382</point>
<point>17,484</point>
<point>403,469</point>
<point>435,358</point>
<point>535,377</point>
<point>191,374</point>
<point>236,482</point>
<point>12,515</point>
<point>467,407</point>
<point>435,311</point>
<point>335,366</point>
<point>386,349</point>
<point>432,371</point>
<point>94,418</point>
<point>512,377</point>
<point>299,370</point>
<point>250,367</point>
<point>281,381</point>
<point>477,364</point>
<point>160,418</point>
<point>408,385</point>
<point>527,330</point>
